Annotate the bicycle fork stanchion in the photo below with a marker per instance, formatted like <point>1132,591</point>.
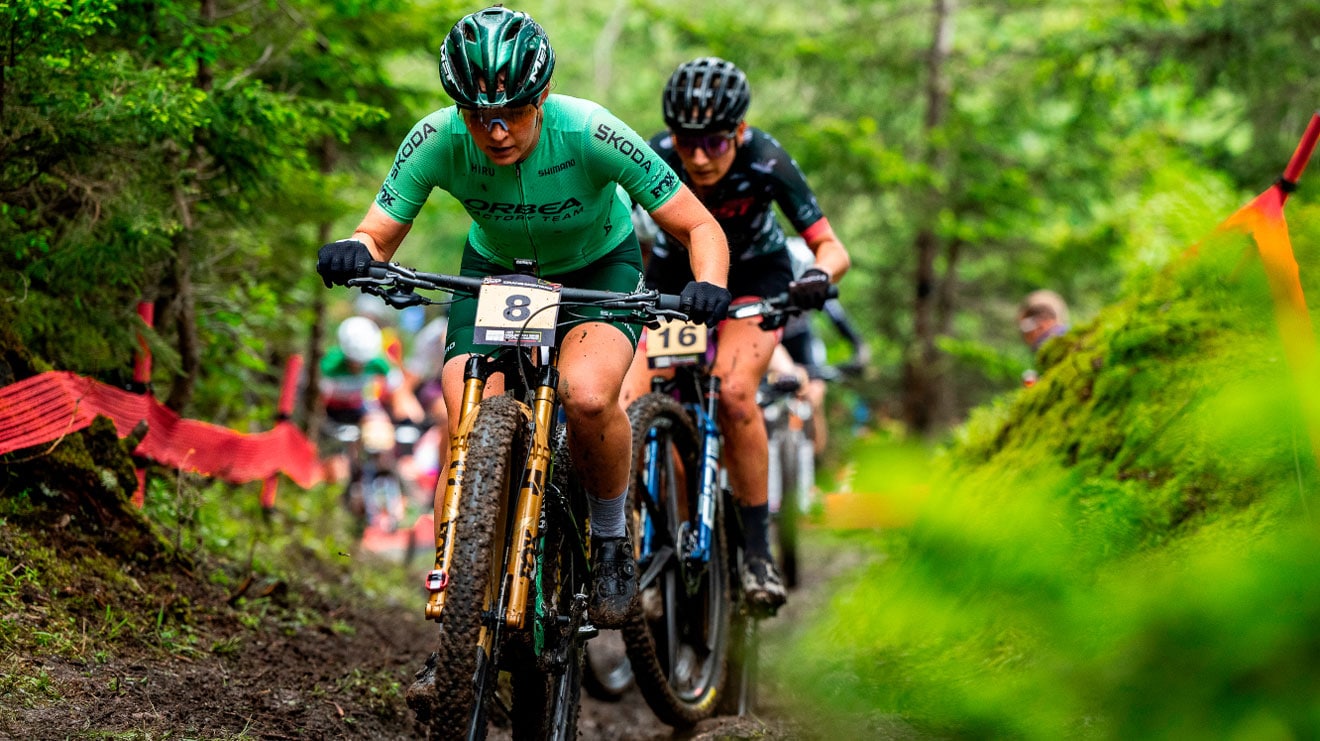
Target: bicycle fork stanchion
<point>474,384</point>
<point>522,564</point>
<point>709,484</point>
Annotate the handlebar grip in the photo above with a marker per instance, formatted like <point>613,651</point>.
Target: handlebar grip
<point>668,302</point>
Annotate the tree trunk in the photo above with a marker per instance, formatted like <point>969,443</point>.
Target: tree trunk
<point>190,355</point>
<point>185,311</point>
<point>311,407</point>
<point>925,385</point>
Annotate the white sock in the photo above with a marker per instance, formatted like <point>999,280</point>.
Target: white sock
<point>607,520</point>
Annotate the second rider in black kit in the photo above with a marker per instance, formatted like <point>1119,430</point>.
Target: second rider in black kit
<point>739,172</point>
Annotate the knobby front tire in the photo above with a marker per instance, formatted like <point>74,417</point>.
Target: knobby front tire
<point>546,699</point>
<point>493,466</point>
<point>678,642</point>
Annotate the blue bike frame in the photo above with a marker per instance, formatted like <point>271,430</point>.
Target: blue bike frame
<point>695,545</point>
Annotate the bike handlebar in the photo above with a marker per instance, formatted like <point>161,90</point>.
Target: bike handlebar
<point>773,310</point>
<point>395,283</point>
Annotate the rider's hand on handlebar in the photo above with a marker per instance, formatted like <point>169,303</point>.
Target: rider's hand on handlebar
<point>339,262</point>
<point>810,291</point>
<point>704,303</point>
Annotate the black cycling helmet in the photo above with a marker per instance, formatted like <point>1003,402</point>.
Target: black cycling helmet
<point>488,42</point>
<point>706,94</point>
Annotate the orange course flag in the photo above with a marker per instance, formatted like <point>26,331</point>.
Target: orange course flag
<point>1263,220</point>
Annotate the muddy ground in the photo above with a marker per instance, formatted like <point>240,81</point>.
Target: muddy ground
<point>282,661</point>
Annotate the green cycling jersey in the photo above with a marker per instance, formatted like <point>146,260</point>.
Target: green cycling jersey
<point>560,206</point>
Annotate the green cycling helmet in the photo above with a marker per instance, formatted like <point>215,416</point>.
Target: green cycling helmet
<point>487,43</point>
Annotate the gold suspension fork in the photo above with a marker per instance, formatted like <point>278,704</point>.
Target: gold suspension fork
<point>527,523</point>
<point>446,506</point>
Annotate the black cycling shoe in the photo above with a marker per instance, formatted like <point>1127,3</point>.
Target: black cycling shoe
<point>614,582</point>
<point>762,585</point>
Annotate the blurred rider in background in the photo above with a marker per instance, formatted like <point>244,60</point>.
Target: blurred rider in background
<point>357,381</point>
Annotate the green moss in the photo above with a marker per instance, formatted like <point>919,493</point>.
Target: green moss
<point>1123,550</point>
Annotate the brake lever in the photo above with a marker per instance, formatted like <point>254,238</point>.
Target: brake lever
<point>367,284</point>
<point>655,315</point>
<point>744,311</point>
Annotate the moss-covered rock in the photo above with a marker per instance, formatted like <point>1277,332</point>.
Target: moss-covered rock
<point>1127,549</point>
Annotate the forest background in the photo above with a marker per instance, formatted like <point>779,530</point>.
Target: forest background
<point>196,154</point>
<point>1125,550</point>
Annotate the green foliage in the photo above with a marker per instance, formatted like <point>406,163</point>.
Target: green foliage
<point>139,135</point>
<point>1124,550</point>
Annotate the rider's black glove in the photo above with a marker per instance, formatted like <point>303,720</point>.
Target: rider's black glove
<point>810,291</point>
<point>339,262</point>
<point>704,303</point>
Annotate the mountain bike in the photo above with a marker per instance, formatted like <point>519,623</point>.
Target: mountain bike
<point>792,465</point>
<point>790,424</point>
<point>511,578</point>
<point>693,642</point>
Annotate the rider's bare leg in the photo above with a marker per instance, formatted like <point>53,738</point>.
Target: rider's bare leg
<point>593,359</point>
<point>741,361</point>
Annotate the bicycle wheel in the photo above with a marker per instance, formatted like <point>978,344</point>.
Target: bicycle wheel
<point>739,693</point>
<point>494,463</point>
<point>678,642</point>
<point>607,674</point>
<point>789,517</point>
<point>547,679</point>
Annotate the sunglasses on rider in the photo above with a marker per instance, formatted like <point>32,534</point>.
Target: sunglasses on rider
<point>714,145</point>
<point>505,116</point>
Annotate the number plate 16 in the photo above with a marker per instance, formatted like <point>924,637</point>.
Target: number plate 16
<point>516,310</point>
<point>675,342</point>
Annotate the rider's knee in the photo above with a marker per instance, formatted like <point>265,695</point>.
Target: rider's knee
<point>739,394</point>
<point>588,404</point>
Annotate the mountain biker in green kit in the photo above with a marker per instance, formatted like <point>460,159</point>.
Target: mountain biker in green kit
<point>539,176</point>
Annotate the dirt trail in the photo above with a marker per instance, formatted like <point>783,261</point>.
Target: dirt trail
<point>319,669</point>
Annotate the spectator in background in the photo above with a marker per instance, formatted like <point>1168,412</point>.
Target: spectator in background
<point>1041,315</point>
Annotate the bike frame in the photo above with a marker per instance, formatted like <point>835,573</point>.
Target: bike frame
<point>528,518</point>
<point>696,544</point>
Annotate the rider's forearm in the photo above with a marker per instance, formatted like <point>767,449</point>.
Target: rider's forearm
<point>380,233</point>
<point>709,253</point>
<point>832,257</point>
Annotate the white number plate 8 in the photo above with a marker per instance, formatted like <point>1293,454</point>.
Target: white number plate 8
<point>516,310</point>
